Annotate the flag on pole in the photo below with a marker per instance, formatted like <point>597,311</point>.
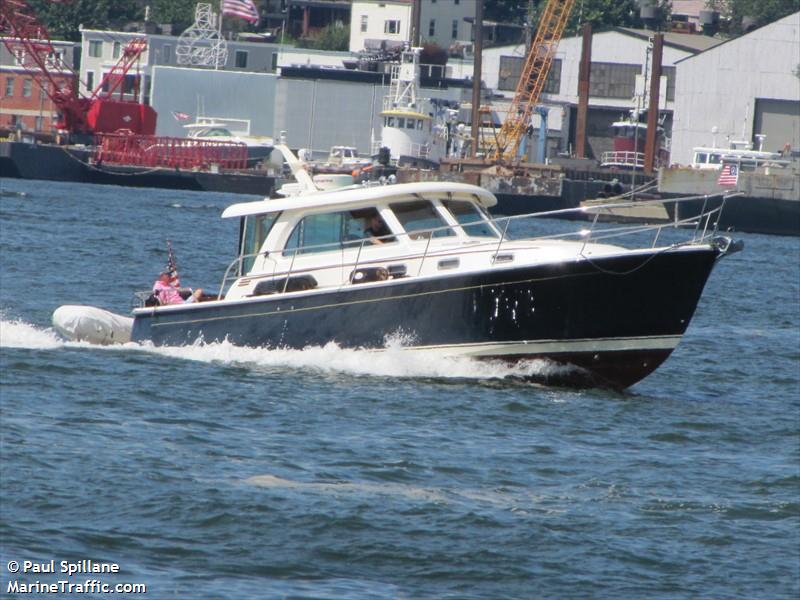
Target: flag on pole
<point>181,116</point>
<point>244,9</point>
<point>729,176</point>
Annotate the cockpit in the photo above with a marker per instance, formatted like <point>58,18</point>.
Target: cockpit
<point>390,224</point>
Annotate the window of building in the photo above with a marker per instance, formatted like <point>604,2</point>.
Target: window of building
<point>391,26</point>
<point>117,48</point>
<point>95,48</point>
<point>90,80</point>
<point>39,123</point>
<point>613,80</point>
<point>364,23</point>
<point>669,72</point>
<point>432,27</point>
<point>27,86</point>
<point>166,54</point>
<point>455,29</point>
<point>553,83</point>
<point>511,70</point>
<point>43,90</point>
<point>9,86</point>
<point>240,59</point>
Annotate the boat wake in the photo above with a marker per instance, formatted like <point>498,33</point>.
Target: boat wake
<point>395,360</point>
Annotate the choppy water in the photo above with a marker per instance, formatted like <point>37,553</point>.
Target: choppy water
<point>221,472</point>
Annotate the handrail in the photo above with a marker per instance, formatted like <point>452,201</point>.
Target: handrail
<point>500,230</point>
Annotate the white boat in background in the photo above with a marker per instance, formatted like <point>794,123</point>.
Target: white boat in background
<point>409,127</point>
<point>740,153</point>
<point>222,129</point>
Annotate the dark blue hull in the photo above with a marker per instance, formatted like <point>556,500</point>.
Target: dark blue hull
<point>616,318</point>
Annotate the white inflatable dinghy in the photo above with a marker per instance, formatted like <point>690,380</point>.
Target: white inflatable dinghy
<point>93,325</point>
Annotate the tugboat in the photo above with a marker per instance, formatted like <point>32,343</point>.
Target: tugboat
<point>424,261</point>
<point>412,127</point>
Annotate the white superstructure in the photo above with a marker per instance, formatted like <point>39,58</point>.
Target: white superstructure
<point>408,126</point>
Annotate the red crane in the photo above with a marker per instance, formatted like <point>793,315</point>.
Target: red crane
<point>97,112</point>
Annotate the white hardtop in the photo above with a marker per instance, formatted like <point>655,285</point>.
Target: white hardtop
<point>362,195</point>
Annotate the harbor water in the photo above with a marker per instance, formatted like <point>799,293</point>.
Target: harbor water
<point>222,472</point>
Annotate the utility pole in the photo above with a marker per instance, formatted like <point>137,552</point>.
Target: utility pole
<point>477,66</point>
<point>583,92</point>
<point>416,17</point>
<point>652,110</point>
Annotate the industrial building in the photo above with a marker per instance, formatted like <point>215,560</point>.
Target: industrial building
<point>620,61</point>
<point>738,90</point>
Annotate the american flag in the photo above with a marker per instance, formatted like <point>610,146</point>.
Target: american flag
<point>729,176</point>
<point>244,9</point>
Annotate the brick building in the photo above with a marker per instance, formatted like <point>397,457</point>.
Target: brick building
<point>23,103</point>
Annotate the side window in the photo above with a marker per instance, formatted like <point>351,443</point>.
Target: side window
<point>315,233</point>
<point>330,231</point>
<point>419,215</point>
<point>254,231</point>
<point>701,158</point>
<point>715,159</point>
<point>472,221</point>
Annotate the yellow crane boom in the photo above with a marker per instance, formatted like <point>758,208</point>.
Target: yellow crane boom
<point>532,79</point>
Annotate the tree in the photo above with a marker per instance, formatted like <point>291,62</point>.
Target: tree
<point>763,11</point>
<point>179,13</point>
<point>63,20</point>
<point>506,11</point>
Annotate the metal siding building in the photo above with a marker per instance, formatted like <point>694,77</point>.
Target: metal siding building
<point>319,113</point>
<point>222,94</point>
<point>743,87</point>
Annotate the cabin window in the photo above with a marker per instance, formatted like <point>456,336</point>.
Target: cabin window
<point>715,159</point>
<point>401,122</point>
<point>418,216</point>
<point>419,125</point>
<point>410,123</point>
<point>701,158</point>
<point>329,231</point>
<point>254,230</point>
<point>472,220</point>
<point>390,121</point>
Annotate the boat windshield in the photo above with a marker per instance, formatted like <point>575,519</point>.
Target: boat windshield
<point>418,216</point>
<point>254,230</point>
<point>471,219</point>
